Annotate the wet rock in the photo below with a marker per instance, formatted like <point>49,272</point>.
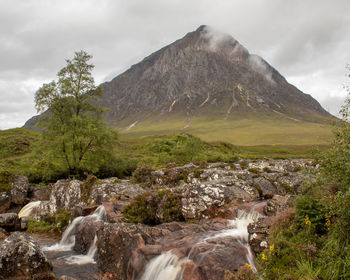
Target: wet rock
<point>22,258</point>
<point>117,244</point>
<point>80,210</point>
<point>10,221</point>
<point>125,249</point>
<point>19,189</point>
<point>85,234</point>
<point>5,201</point>
<point>258,233</point>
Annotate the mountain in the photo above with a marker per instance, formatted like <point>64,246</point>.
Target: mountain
<point>206,79</point>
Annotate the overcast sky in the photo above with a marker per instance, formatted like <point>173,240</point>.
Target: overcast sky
<point>307,41</point>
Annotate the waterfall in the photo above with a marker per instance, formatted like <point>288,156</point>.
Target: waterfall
<point>168,266</point>
<point>165,266</point>
<point>84,259</point>
<point>27,209</point>
<point>68,238</point>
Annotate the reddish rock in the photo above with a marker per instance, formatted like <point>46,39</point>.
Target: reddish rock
<point>85,234</point>
<point>80,210</point>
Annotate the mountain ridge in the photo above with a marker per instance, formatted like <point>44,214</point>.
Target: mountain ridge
<point>205,74</point>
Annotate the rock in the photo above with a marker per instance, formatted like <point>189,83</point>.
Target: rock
<point>85,234</point>
<point>5,201</point>
<point>10,221</point>
<point>3,234</point>
<point>21,257</point>
<point>116,189</point>
<point>66,194</point>
<point>65,277</point>
<point>19,189</point>
<point>24,223</point>
<point>124,250</point>
<point>39,193</point>
<point>258,233</point>
<point>80,210</point>
<point>117,244</point>
<point>265,188</point>
<point>278,204</point>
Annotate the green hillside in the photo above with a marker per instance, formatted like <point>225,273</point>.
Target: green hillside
<point>252,131</point>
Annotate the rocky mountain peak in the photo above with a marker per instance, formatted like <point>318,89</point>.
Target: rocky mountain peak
<point>205,74</point>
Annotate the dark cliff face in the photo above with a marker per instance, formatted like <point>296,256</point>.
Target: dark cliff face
<point>205,73</point>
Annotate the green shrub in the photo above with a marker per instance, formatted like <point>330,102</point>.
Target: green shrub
<point>154,208</point>
<point>307,207</point>
<point>6,179</point>
<point>143,174</point>
<point>254,170</point>
<point>58,222</point>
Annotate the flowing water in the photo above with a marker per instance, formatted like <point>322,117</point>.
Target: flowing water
<point>167,266</point>
<point>67,262</point>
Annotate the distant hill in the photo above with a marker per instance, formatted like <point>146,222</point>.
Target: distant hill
<point>209,85</point>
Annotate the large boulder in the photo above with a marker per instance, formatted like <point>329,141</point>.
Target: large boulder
<point>114,189</point>
<point>19,189</point>
<point>118,242</point>
<point>66,194</point>
<point>39,193</point>
<point>22,258</point>
<point>5,201</point>
<point>85,234</point>
<point>10,221</point>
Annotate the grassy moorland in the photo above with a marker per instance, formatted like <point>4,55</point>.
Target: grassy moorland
<point>20,152</point>
<point>252,131</point>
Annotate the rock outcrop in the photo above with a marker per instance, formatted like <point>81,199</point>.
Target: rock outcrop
<point>16,197</point>
<point>125,249</point>
<point>207,188</point>
<point>10,222</point>
<point>21,258</point>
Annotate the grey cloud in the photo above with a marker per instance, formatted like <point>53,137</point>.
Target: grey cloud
<point>307,41</point>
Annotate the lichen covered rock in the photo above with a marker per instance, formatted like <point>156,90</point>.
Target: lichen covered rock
<point>22,258</point>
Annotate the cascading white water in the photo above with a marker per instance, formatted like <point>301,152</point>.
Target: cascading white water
<point>84,259</point>
<point>68,238</point>
<point>28,209</point>
<point>168,266</point>
<point>165,266</point>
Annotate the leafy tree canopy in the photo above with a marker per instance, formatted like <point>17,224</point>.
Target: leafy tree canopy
<point>75,135</point>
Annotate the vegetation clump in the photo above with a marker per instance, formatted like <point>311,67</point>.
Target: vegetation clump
<point>86,187</point>
<point>56,223</point>
<point>154,208</point>
<point>6,179</point>
<point>314,241</point>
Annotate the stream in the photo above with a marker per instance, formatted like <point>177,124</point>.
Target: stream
<point>165,266</point>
